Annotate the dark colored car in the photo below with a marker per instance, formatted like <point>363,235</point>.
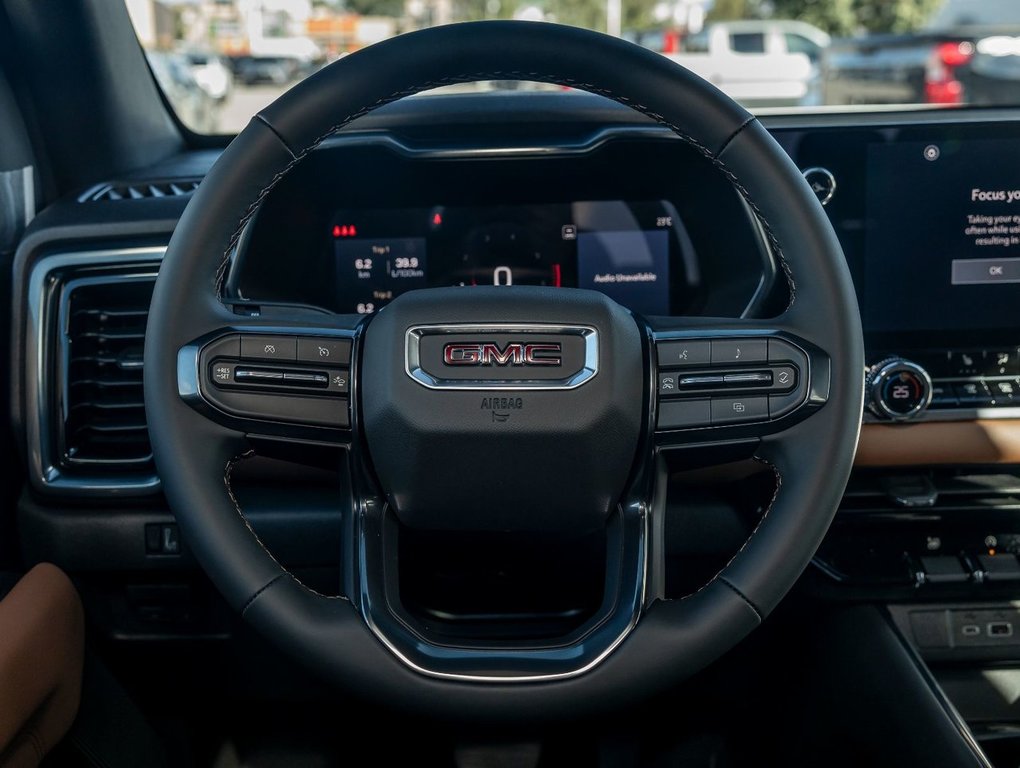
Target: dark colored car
<point>962,57</point>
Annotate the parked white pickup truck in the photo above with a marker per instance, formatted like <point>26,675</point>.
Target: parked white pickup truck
<point>758,63</point>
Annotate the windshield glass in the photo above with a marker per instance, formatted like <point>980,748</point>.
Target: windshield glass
<point>220,61</point>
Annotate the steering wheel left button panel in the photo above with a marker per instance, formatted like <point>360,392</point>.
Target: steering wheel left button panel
<point>278,378</point>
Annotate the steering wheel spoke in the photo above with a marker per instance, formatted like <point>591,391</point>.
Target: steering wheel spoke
<point>719,381</point>
<point>274,376</point>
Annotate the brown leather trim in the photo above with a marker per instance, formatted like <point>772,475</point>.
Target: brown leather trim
<point>41,652</point>
<point>990,441</point>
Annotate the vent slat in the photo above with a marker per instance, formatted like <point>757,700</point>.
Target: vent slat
<point>141,190</point>
<point>103,383</point>
<point>113,335</point>
<point>105,406</point>
<point>127,360</point>
<point>113,427</point>
<point>120,405</point>
<point>142,314</point>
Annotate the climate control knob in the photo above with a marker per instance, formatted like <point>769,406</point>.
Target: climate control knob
<point>898,389</point>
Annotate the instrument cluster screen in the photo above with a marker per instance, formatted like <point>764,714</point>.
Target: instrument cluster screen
<point>629,251</point>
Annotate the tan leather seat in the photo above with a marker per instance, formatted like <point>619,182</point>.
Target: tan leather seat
<point>41,652</point>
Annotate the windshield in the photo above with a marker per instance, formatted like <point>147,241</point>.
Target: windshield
<point>220,61</point>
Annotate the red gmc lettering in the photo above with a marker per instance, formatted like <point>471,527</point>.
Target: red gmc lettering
<point>514,353</point>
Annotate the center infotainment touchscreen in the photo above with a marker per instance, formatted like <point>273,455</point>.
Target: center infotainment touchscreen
<point>943,236</point>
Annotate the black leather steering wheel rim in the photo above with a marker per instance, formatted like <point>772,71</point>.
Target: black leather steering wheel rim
<point>673,639</point>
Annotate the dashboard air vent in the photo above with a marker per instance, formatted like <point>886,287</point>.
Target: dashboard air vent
<point>141,189</point>
<point>103,321</point>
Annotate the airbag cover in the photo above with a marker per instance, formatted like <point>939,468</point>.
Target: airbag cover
<point>511,408</point>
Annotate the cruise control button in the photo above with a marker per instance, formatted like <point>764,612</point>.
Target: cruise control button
<point>739,351</point>
<point>674,354</point>
<point>677,414</point>
<point>268,348</point>
<point>323,351</point>
<point>727,410</point>
<point>223,373</point>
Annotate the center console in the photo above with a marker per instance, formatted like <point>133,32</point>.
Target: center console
<point>928,215</point>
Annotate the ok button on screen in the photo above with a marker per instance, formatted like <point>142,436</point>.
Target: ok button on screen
<point>979,271</point>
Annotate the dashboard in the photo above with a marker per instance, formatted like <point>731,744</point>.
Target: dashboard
<point>564,190</point>
<point>926,210</point>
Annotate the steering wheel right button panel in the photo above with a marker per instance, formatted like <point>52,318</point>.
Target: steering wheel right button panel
<point>739,381</point>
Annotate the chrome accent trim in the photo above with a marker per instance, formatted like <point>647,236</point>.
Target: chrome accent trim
<point>44,473</point>
<point>827,174</point>
<point>188,386</point>
<point>636,611</point>
<point>412,356</point>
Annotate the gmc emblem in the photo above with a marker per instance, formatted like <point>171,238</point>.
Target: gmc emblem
<point>514,353</point>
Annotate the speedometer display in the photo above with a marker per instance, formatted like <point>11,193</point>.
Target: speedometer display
<point>627,250</point>
<point>506,253</point>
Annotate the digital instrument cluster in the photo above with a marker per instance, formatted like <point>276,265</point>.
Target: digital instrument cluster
<point>630,251</point>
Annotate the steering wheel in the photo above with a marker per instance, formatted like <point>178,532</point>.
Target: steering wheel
<point>586,413</point>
